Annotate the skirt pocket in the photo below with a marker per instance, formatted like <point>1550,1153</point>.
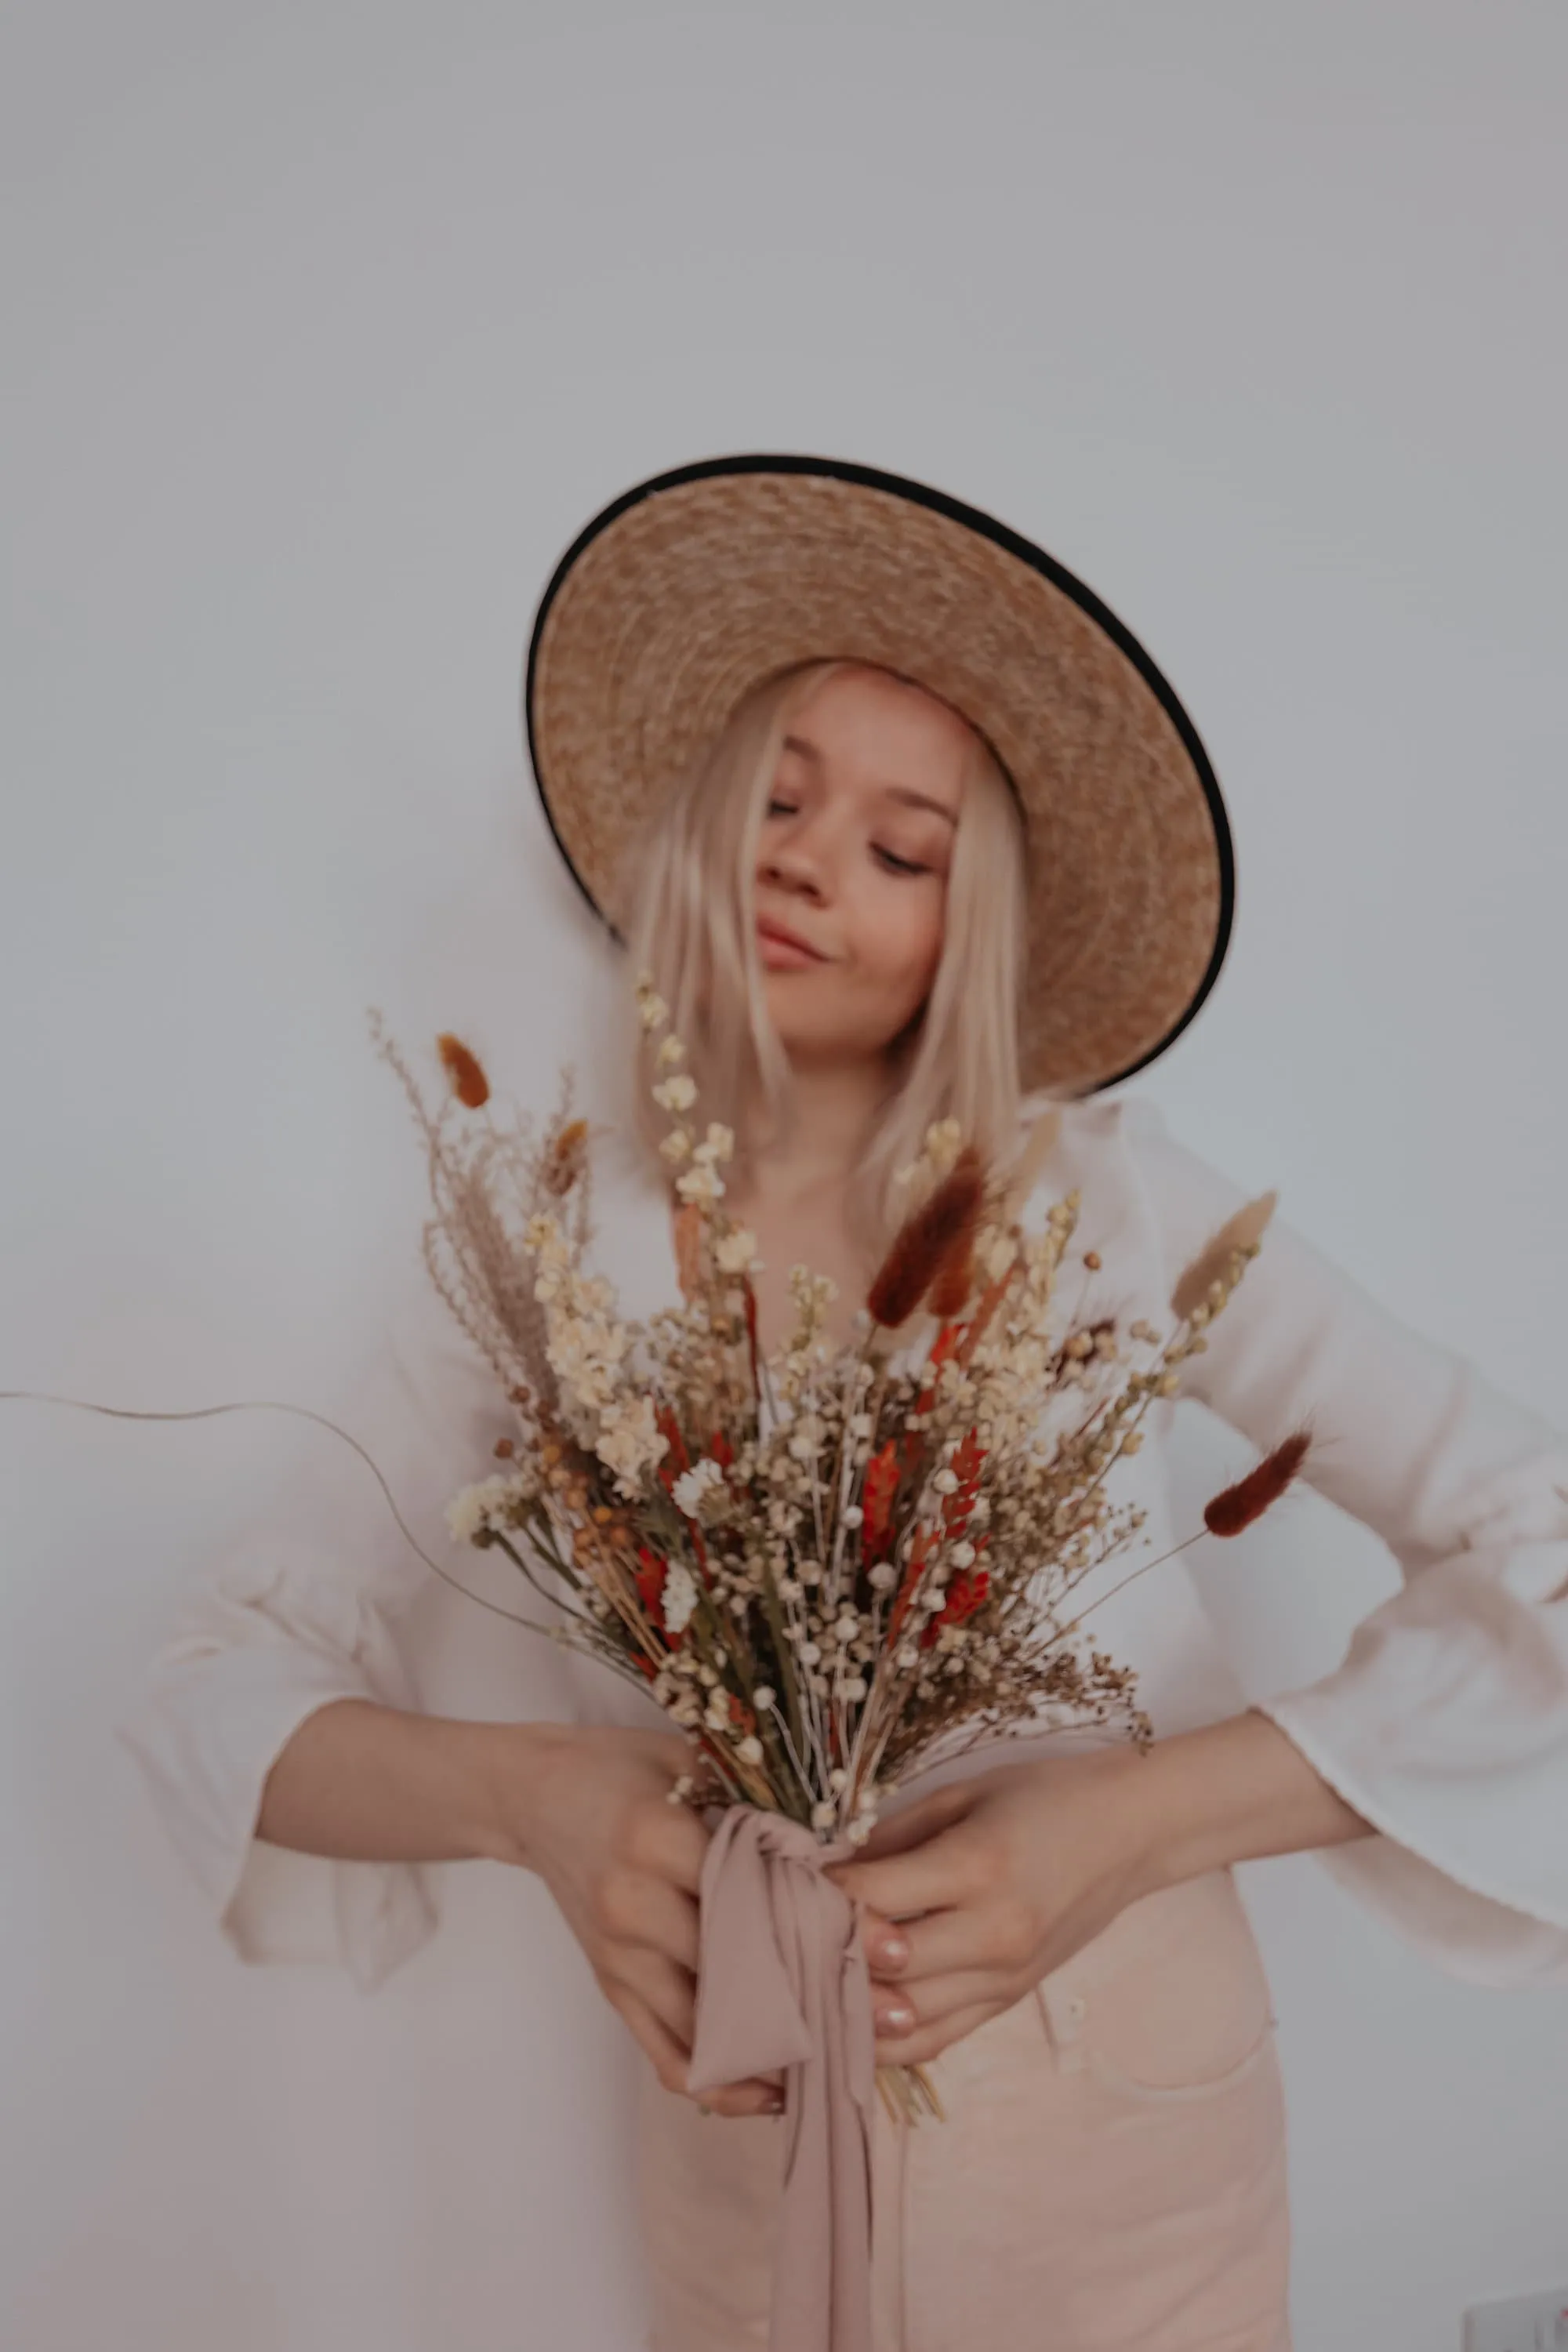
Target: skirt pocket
<point>1172,2003</point>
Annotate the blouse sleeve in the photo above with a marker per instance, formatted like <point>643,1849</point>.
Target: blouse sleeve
<point>1446,1727</point>
<point>307,1606</point>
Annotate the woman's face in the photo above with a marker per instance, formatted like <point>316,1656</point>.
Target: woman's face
<point>852,863</point>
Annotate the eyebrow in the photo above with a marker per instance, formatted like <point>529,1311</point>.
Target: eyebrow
<point>904,793</point>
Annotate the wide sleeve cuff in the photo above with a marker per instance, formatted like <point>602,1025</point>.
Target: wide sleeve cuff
<point>312,1605</point>
<point>1445,1725</point>
<point>1414,1874</point>
<point>271,1636</point>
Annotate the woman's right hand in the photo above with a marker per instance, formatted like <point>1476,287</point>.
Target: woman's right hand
<point>588,1807</point>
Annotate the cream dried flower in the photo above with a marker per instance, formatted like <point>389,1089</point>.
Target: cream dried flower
<point>630,1441</point>
<point>700,1183</point>
<point>693,1485</point>
<point>680,1597</point>
<point>651,1006</point>
<point>492,1502</point>
<point>944,1141</point>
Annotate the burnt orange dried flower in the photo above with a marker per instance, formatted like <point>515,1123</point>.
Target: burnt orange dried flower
<point>568,1153</point>
<point>465,1070</point>
<point>937,1237</point>
<point>1227,1513</point>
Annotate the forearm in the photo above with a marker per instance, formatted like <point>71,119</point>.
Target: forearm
<point>372,1783</point>
<point>1231,1792</point>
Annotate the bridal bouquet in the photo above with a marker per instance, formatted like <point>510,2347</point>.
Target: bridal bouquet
<point>843,1563</point>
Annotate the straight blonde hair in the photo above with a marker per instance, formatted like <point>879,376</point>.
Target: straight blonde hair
<point>689,896</point>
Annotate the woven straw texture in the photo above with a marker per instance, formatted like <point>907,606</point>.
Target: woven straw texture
<point>681,602</point>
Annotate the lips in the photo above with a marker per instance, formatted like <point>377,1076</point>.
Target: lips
<point>783,950</point>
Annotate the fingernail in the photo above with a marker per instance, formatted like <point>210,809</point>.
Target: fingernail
<point>895,1951</point>
<point>899,2021</point>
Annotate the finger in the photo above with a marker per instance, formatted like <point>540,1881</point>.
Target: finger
<point>931,2040</point>
<point>885,1945</point>
<point>670,1992</point>
<point>896,1832</point>
<point>928,1877</point>
<point>910,2009</point>
<point>971,1936</point>
<point>670,1843</point>
<point>658,1916</point>
<point>753,2097</point>
<point>671,2063</point>
<point>668,2059</point>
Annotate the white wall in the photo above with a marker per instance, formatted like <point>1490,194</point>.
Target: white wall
<point>328,325</point>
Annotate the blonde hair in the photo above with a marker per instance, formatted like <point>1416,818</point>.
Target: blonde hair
<point>689,899</point>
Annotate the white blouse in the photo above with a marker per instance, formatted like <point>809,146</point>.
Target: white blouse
<point>1446,1726</point>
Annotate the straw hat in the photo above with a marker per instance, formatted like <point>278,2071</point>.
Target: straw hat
<point>691,586</point>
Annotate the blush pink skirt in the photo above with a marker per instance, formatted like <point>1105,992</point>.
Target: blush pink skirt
<point>1109,2176</point>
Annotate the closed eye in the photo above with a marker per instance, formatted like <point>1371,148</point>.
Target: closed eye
<point>893,863</point>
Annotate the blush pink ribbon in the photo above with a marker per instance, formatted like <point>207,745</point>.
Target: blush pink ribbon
<point>782,1984</point>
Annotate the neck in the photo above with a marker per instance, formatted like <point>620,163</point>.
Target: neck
<point>833,1108</point>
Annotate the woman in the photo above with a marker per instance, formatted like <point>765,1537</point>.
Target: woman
<point>904,824</point>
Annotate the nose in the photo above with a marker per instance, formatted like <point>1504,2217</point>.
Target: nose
<point>793,865</point>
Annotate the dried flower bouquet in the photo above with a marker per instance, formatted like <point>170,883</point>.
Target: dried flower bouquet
<point>842,1564</point>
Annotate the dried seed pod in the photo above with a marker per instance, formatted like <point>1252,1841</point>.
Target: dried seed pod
<point>565,1158</point>
<point>936,1234</point>
<point>465,1070</point>
<point>1235,1508</point>
<point>1212,1262</point>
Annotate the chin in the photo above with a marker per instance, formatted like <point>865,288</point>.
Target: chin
<point>828,1041</point>
<point>810,1025</point>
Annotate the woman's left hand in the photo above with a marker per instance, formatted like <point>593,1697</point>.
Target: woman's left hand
<point>977,1892</point>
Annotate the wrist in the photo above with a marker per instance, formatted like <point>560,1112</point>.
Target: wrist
<point>505,1770</point>
<point>1142,1828</point>
<point>1231,1791</point>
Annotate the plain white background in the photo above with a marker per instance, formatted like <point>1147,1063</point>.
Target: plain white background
<point>328,325</point>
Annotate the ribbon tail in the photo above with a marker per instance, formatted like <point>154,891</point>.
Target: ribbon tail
<point>822,2279</point>
<point>783,1983</point>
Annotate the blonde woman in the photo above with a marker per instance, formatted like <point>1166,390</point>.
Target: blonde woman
<point>906,826</point>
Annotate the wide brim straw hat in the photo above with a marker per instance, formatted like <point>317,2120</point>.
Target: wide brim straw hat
<point>692,586</point>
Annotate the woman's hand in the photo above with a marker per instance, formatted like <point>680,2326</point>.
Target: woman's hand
<point>588,1808</point>
<point>995,1882</point>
